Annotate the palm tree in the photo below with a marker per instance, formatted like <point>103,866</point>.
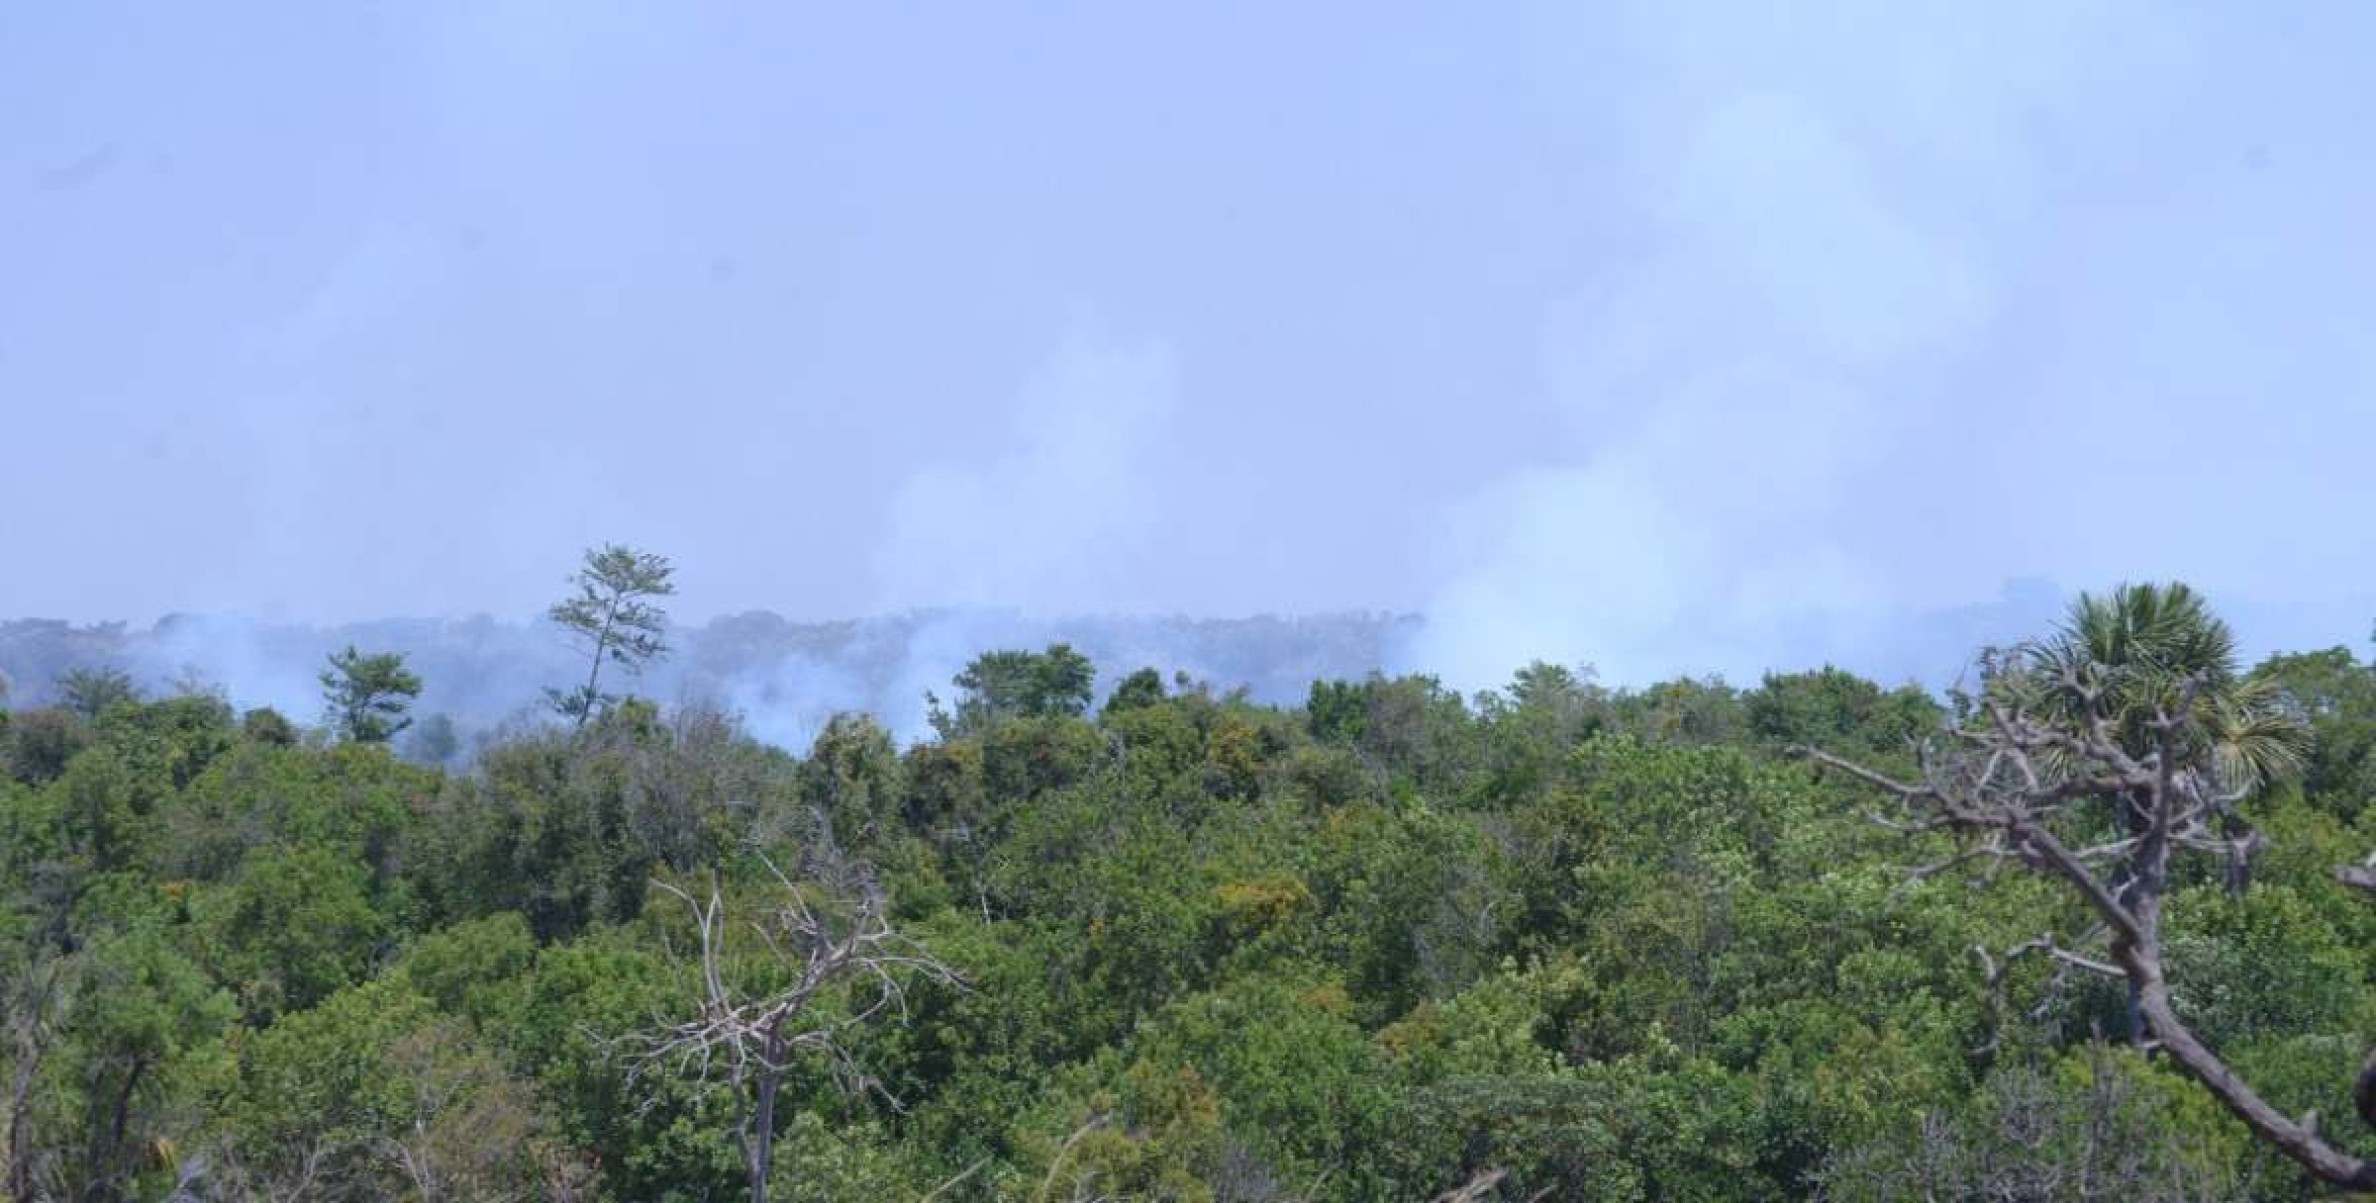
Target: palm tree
<point>2104,750</point>
<point>2149,652</point>
<point>2145,663</point>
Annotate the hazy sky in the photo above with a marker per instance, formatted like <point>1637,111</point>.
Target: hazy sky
<point>1667,338</point>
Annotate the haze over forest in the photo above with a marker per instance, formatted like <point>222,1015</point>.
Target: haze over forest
<point>619,602</point>
<point>784,679</point>
<point>1668,339</point>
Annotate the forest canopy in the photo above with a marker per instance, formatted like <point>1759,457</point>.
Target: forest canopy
<point>1554,940</point>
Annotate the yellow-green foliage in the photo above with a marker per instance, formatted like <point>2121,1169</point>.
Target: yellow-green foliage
<point>1608,941</point>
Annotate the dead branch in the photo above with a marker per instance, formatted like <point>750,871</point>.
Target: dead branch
<point>2010,781</point>
<point>1476,1189</point>
<point>832,934</point>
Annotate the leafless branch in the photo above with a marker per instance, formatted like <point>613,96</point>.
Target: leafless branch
<point>2008,782</point>
<point>831,936</point>
<point>1475,1189</point>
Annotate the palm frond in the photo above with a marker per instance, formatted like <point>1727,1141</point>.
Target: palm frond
<point>2255,738</point>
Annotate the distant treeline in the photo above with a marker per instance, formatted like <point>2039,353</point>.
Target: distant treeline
<point>785,677</point>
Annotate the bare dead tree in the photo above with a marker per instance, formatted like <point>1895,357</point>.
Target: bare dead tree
<point>842,966</point>
<point>2043,792</point>
<point>474,1132</point>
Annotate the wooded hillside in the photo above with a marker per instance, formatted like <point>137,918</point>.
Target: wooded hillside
<point>1552,941</point>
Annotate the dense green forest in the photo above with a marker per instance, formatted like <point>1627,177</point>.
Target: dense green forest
<point>1556,940</point>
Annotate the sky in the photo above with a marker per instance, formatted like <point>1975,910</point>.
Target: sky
<point>1660,337</point>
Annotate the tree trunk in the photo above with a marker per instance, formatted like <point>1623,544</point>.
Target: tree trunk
<point>2128,881</point>
<point>103,1152</point>
<point>762,1150</point>
<point>594,672</point>
<point>20,1135</point>
<point>33,1038</point>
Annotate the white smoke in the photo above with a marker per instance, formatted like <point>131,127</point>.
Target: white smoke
<point>1062,513</point>
<point>784,679</point>
<point>1847,222</point>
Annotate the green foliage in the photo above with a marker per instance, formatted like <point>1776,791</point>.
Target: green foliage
<point>2088,1123</point>
<point>1607,941</point>
<point>1410,729</point>
<point>91,692</point>
<point>1839,711</point>
<point>261,794</point>
<point>1137,691</point>
<point>180,735</point>
<point>1337,711</point>
<point>2123,656</point>
<point>365,696</point>
<point>1301,1088</point>
<point>138,1019</point>
<point>475,969</point>
<point>1001,685</point>
<point>2336,694</point>
<point>1686,710</point>
<point>1028,757</point>
<point>293,926</point>
<point>434,740</point>
<point>2259,965</point>
<point>264,725</point>
<point>38,743</point>
<point>103,801</point>
<point>567,830</point>
<point>371,1095</point>
<point>611,617</point>
<point>853,777</point>
<point>319,1077</point>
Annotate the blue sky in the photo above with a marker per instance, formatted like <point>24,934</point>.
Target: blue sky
<point>1667,338</point>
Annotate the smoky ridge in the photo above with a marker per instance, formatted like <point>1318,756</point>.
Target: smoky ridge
<point>783,678</point>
